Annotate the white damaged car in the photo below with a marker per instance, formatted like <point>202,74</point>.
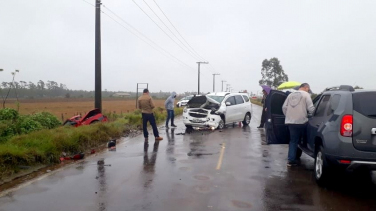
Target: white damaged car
<point>215,110</point>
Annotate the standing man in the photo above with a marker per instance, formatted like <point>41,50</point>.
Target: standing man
<point>145,103</point>
<point>169,105</point>
<point>295,108</point>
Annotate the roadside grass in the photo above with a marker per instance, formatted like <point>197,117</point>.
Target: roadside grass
<point>45,146</point>
<point>256,101</point>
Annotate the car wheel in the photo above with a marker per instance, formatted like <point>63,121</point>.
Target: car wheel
<point>321,170</point>
<point>221,124</point>
<point>298,153</point>
<point>247,119</point>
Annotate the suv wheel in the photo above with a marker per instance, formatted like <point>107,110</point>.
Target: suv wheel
<point>321,167</point>
<point>247,119</point>
<point>221,124</point>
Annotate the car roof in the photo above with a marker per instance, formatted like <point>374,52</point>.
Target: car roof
<point>349,92</point>
<point>226,93</point>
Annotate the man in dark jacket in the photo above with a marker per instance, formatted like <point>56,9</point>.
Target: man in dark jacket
<point>169,105</point>
<point>146,104</point>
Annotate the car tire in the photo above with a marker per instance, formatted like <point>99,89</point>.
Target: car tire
<point>299,153</point>
<point>247,119</point>
<point>221,124</point>
<point>321,167</point>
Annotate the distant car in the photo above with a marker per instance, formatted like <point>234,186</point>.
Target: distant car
<point>91,117</point>
<point>184,101</point>
<point>215,110</point>
<point>340,133</point>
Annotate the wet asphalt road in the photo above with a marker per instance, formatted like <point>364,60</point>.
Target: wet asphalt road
<point>202,170</point>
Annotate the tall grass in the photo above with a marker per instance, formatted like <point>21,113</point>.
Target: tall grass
<point>45,146</point>
<point>256,101</point>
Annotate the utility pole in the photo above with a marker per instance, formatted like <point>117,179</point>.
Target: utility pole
<point>222,84</point>
<point>98,65</point>
<point>199,75</point>
<point>214,80</point>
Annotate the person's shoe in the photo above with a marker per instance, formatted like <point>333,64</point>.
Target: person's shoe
<point>158,138</point>
<point>172,125</point>
<point>292,163</point>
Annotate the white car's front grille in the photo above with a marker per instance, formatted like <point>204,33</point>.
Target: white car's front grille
<point>198,113</point>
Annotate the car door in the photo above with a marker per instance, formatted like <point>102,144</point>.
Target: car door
<point>276,130</point>
<point>240,108</point>
<point>230,109</point>
<point>317,121</point>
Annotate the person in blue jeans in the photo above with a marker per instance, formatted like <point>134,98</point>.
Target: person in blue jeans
<point>146,105</point>
<point>296,107</point>
<point>169,105</point>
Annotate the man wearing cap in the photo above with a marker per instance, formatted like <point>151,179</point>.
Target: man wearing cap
<point>296,107</point>
<point>145,103</point>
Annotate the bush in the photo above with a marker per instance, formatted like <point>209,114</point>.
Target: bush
<point>7,128</point>
<point>26,124</point>
<point>46,119</point>
<point>8,114</point>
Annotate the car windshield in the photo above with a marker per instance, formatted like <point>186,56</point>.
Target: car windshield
<point>216,98</point>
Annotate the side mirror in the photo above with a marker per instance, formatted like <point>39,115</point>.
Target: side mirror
<point>228,103</point>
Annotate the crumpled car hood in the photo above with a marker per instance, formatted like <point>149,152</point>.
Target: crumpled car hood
<point>203,102</point>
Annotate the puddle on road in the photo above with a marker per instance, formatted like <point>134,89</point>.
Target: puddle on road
<point>241,204</point>
<point>200,177</point>
<point>186,161</point>
<point>200,153</point>
<point>185,168</point>
<point>202,188</point>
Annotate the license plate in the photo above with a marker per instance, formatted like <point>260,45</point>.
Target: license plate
<point>197,120</point>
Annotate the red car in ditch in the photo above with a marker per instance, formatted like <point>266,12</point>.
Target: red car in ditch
<point>91,117</point>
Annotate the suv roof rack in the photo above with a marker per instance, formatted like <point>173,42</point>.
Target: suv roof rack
<point>341,87</point>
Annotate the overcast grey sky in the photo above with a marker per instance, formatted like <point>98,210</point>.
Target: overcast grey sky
<point>324,43</point>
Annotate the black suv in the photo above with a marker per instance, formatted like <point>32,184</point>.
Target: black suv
<point>341,132</point>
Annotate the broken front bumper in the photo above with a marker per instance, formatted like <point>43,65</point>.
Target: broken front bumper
<point>211,121</point>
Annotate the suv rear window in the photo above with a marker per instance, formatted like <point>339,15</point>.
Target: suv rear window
<point>365,103</point>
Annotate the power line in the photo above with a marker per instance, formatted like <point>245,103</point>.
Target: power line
<point>171,31</point>
<point>177,30</point>
<point>164,30</point>
<point>161,50</point>
<point>89,3</point>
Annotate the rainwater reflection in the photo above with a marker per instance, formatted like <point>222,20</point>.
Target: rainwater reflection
<point>102,185</point>
<point>171,144</point>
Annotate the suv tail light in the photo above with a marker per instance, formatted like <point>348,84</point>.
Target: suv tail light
<point>347,125</point>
